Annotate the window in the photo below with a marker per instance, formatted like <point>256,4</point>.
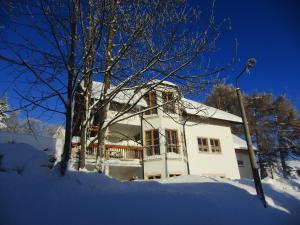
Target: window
<point>151,102</point>
<point>154,177</point>
<point>172,141</point>
<point>168,102</point>
<point>174,175</point>
<point>215,145</point>
<point>203,145</point>
<point>240,162</point>
<point>152,142</point>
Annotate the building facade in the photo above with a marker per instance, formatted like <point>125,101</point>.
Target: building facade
<point>172,136</point>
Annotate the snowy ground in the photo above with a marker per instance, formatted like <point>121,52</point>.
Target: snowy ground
<point>31,194</point>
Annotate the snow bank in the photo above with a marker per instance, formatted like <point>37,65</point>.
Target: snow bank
<point>22,159</point>
<point>2,125</point>
<point>37,141</point>
<point>40,196</point>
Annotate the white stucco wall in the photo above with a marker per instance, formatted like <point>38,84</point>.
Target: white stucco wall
<point>154,167</point>
<point>176,166</point>
<point>222,164</point>
<point>157,165</point>
<point>125,173</point>
<point>134,120</point>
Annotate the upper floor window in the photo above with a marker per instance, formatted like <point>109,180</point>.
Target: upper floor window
<point>172,141</point>
<point>215,145</point>
<point>151,102</point>
<point>168,102</point>
<point>152,142</point>
<point>203,145</point>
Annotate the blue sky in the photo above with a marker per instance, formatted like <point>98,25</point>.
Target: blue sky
<point>267,30</point>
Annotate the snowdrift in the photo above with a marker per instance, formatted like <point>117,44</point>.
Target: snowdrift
<point>38,196</point>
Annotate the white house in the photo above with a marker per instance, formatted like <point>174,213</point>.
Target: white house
<point>176,136</point>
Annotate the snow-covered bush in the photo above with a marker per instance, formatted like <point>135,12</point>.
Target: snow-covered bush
<point>3,114</point>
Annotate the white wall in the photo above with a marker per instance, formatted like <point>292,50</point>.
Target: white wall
<point>157,165</point>
<point>154,167</point>
<point>212,164</point>
<point>134,120</point>
<point>125,173</point>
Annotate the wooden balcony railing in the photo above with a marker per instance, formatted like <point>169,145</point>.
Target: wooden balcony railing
<point>123,152</point>
<point>113,151</point>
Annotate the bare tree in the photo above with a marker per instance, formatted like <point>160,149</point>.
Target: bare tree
<point>40,43</point>
<point>147,41</point>
<point>62,46</point>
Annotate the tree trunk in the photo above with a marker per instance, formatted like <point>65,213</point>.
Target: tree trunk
<point>68,140</point>
<point>88,80</point>
<point>84,123</point>
<point>261,165</point>
<point>83,142</point>
<point>282,158</point>
<point>107,81</point>
<point>70,88</point>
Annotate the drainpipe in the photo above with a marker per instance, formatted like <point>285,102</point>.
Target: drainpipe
<point>142,143</point>
<point>166,160</point>
<point>185,145</point>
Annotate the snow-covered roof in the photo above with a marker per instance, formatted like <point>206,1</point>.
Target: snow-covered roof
<point>126,95</point>
<point>197,108</point>
<point>240,143</point>
<point>155,81</point>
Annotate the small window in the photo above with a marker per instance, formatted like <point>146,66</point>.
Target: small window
<point>168,102</point>
<point>203,145</point>
<point>174,175</point>
<point>240,162</point>
<point>152,142</point>
<point>215,145</point>
<point>151,102</point>
<point>154,177</point>
<point>172,141</point>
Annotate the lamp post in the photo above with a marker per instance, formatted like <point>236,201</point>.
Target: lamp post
<point>259,190</point>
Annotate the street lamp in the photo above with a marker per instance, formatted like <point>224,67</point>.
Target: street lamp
<point>259,190</point>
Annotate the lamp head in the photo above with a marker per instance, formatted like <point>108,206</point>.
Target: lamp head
<point>250,63</point>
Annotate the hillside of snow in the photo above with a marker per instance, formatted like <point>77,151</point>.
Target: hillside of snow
<point>32,194</point>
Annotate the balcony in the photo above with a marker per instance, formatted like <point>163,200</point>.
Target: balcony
<point>122,152</point>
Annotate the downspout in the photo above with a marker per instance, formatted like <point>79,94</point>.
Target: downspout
<point>166,160</point>
<point>142,144</point>
<point>187,158</point>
